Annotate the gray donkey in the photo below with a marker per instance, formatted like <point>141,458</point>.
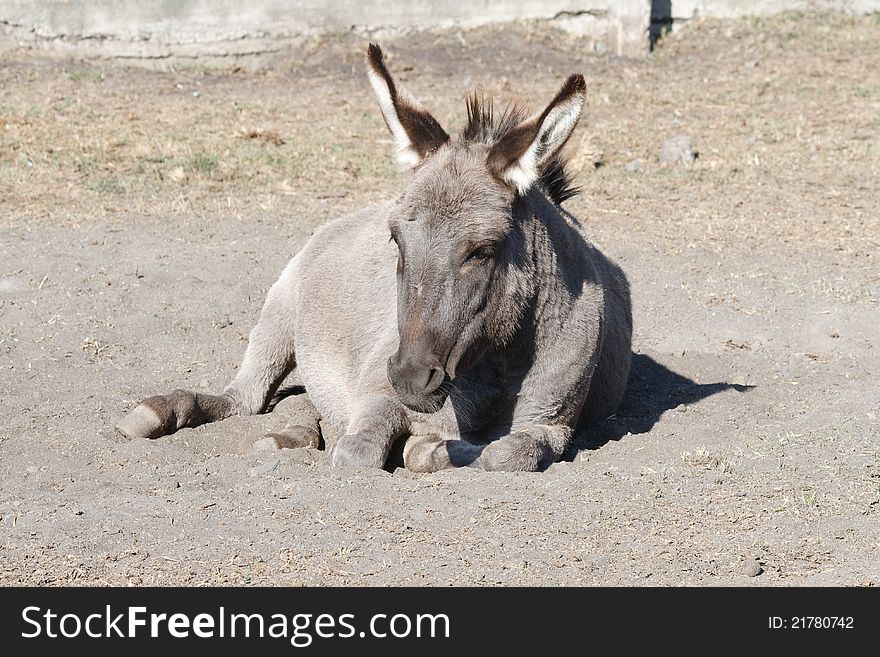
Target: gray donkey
<point>470,317</point>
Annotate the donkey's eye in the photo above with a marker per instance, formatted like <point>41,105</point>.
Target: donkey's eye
<point>480,255</point>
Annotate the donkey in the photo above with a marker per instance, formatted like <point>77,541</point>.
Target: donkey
<point>470,317</point>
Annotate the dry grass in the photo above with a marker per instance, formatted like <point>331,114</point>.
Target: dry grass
<point>703,458</point>
<point>784,113</point>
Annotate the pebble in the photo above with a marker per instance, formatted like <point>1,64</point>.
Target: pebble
<point>752,568</point>
<point>677,150</point>
<point>264,445</point>
<point>633,166</point>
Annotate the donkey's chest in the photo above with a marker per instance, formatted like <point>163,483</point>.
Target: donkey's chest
<point>475,410</point>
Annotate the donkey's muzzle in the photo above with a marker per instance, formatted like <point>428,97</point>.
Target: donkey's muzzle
<point>417,379</point>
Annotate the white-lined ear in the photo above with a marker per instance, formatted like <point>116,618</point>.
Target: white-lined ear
<point>520,156</point>
<point>416,133</point>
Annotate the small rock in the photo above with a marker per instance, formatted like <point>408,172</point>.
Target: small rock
<point>633,166</point>
<point>752,568</point>
<point>264,445</point>
<point>677,150</point>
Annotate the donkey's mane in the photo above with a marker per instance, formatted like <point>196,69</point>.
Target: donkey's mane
<point>484,126</point>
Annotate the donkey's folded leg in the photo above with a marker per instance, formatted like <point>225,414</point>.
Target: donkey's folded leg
<point>269,356</point>
<point>379,421</point>
<point>527,450</point>
<point>292,436</point>
<point>430,453</point>
<point>164,414</point>
<point>268,359</point>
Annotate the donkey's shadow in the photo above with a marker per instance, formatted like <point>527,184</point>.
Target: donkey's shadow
<point>652,390</point>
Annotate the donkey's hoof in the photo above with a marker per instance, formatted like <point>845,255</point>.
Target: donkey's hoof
<point>291,437</point>
<point>142,422</point>
<point>518,452</point>
<point>359,450</point>
<point>425,454</point>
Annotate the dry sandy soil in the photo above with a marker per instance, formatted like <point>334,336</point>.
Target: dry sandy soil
<point>144,213</point>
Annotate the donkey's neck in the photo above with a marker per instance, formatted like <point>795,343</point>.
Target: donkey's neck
<point>556,273</point>
<point>544,278</point>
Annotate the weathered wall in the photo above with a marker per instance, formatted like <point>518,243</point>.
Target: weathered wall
<point>158,28</point>
<point>666,14</point>
<point>192,28</point>
<point>193,21</point>
<point>687,9</point>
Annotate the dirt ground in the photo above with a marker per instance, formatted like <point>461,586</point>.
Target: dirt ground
<point>144,214</point>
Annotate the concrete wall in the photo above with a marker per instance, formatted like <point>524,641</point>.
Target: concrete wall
<point>204,28</point>
<point>198,28</point>
<point>665,14</point>
<point>688,9</point>
<point>159,28</point>
<point>194,21</point>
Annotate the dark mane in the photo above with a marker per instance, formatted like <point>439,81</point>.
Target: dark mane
<point>484,127</point>
<point>482,124</point>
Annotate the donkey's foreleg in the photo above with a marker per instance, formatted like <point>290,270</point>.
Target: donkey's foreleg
<point>268,359</point>
<point>378,422</point>
<point>527,450</point>
<point>270,355</point>
<point>164,414</point>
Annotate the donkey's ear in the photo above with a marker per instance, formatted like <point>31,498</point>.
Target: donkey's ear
<point>519,157</point>
<point>416,133</point>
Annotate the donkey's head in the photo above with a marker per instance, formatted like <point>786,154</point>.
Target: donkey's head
<point>463,269</point>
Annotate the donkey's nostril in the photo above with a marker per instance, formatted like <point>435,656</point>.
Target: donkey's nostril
<point>415,378</point>
<point>435,378</point>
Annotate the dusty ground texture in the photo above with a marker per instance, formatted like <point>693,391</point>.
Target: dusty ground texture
<point>144,214</point>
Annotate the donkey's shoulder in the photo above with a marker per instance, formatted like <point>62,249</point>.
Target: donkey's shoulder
<point>348,229</point>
